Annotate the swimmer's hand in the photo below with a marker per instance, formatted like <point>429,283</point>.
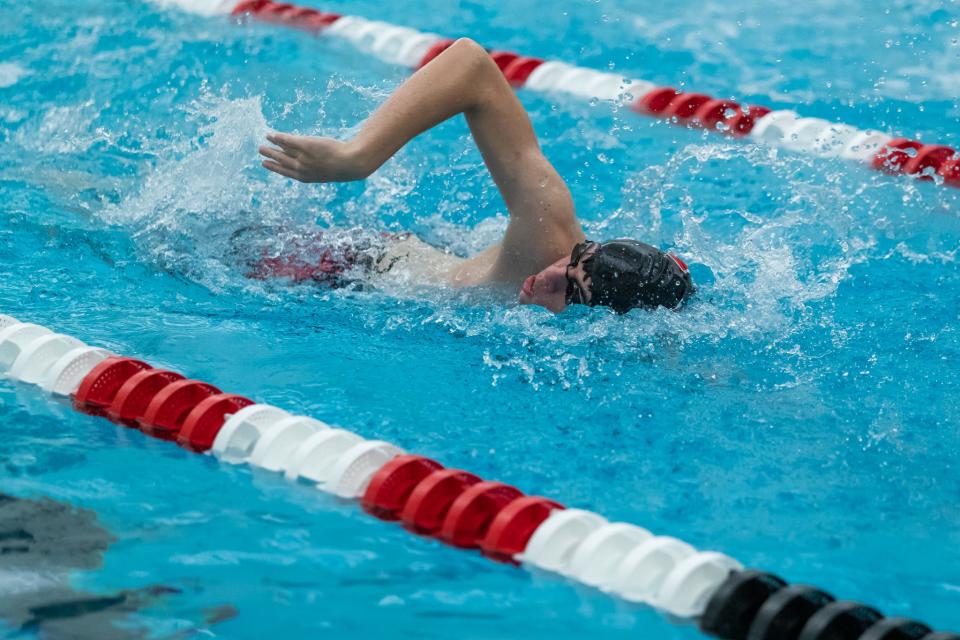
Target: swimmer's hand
<point>311,159</point>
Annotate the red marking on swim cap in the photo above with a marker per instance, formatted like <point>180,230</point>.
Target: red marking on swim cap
<point>471,514</point>
<point>430,500</point>
<point>680,263</point>
<point>203,423</point>
<point>391,486</point>
<point>514,524</point>
<point>135,395</point>
<point>99,387</point>
<point>168,409</point>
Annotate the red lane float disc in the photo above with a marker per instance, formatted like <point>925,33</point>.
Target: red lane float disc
<point>520,69</point>
<point>203,423</point>
<point>655,101</point>
<point>391,487</point>
<point>514,524</point>
<point>434,51</point>
<point>98,389</point>
<point>503,58</point>
<point>471,513</point>
<point>282,13</point>
<point>742,124</point>
<point>273,8</point>
<point>135,394</point>
<point>893,156</point>
<point>430,500</point>
<point>683,106</point>
<point>318,21</point>
<point>950,170</point>
<point>249,6</point>
<point>713,112</point>
<point>170,406</point>
<point>929,156</point>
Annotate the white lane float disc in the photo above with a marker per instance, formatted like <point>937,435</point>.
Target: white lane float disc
<point>772,128</point>
<point>38,356</point>
<point>14,339</point>
<point>553,543</point>
<point>315,457</point>
<point>238,436</point>
<point>63,378</point>
<point>275,447</point>
<point>545,77</point>
<point>6,321</point>
<point>353,470</point>
<point>834,139</point>
<point>347,27</point>
<point>865,145</point>
<point>576,81</point>
<point>804,133</point>
<point>597,557</point>
<point>640,574</point>
<point>413,50</point>
<point>201,7</point>
<point>689,587</point>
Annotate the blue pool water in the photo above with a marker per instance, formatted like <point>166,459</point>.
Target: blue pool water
<point>801,416</point>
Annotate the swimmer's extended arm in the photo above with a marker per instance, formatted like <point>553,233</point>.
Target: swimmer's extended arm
<point>463,79</point>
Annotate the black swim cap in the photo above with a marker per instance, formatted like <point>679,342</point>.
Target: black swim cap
<point>625,274</point>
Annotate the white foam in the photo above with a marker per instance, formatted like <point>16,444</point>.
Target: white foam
<point>11,73</point>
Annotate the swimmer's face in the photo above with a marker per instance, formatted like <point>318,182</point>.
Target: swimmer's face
<point>562,283</point>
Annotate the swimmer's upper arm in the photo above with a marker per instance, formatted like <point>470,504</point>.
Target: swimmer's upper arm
<point>531,187</point>
<point>464,79</point>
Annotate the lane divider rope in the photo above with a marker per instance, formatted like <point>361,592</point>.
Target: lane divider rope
<point>451,505</point>
<point>782,128</point>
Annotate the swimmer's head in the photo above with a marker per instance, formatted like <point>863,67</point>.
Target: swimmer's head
<point>620,274</point>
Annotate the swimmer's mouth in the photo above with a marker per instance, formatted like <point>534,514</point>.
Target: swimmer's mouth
<point>528,285</point>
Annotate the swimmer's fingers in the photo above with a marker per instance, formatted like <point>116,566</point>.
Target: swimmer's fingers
<point>291,144</point>
<point>278,156</point>
<point>282,170</point>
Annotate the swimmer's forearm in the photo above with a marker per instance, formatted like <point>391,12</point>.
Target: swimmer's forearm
<point>453,83</point>
<point>462,79</point>
<point>459,80</point>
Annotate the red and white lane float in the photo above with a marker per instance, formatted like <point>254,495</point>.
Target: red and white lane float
<point>410,48</point>
<point>451,505</point>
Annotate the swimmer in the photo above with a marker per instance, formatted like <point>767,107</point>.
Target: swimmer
<point>544,251</point>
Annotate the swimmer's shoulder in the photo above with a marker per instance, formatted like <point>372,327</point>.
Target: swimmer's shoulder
<point>410,257</point>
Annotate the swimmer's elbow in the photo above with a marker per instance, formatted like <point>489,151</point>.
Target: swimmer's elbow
<point>473,59</point>
<point>467,48</point>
